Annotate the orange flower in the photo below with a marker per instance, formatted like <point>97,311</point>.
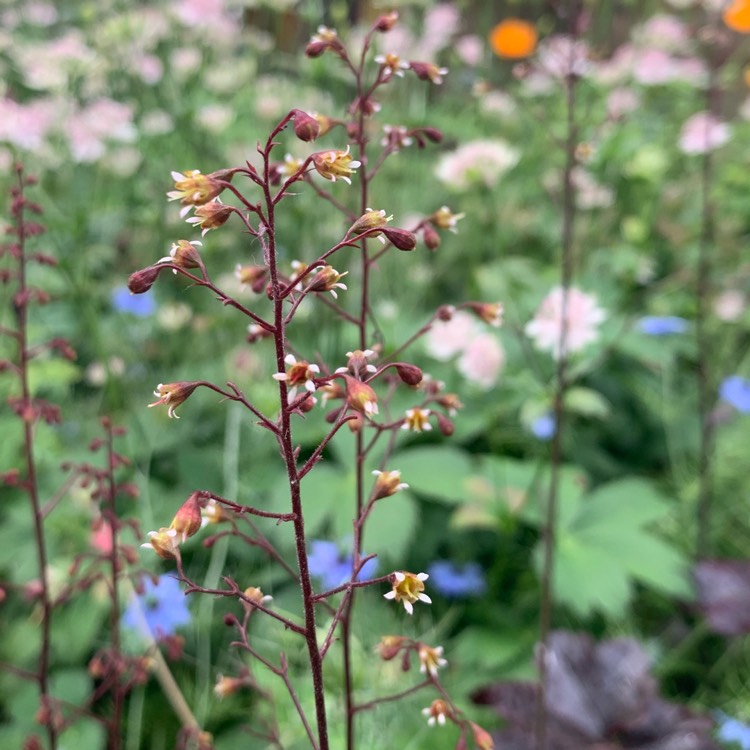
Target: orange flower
<point>513,38</point>
<point>737,16</point>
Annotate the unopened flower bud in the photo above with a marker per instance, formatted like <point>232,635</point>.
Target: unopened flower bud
<point>325,39</point>
<point>256,595</point>
<point>409,374</point>
<point>389,646</point>
<point>306,127</point>
<point>188,520</point>
<point>445,425</point>
<point>355,423</point>
<point>400,238</point>
<point>445,313</point>
<point>431,237</point>
<point>433,134</point>
<point>227,686</point>
<point>450,402</point>
<point>482,738</point>
<point>386,22</point>
<point>141,281</point>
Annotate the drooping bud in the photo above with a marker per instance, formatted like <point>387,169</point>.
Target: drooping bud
<point>360,396</point>
<point>387,483</point>
<point>369,220</point>
<point>355,423</point>
<point>325,39</point>
<point>489,312</point>
<point>445,425</point>
<point>306,127</point>
<point>188,519</point>
<point>444,218</point>
<point>254,276</point>
<point>211,215</point>
<point>482,738</point>
<point>409,374</point>
<point>256,595</point>
<point>428,71</point>
<point>389,646</point>
<point>401,238</point>
<point>227,686</point>
<point>326,279</point>
<point>450,402</point>
<point>386,22</point>
<point>194,189</point>
<point>173,394</point>
<point>141,281</point>
<point>357,363</point>
<point>184,254</point>
<point>430,237</point>
<point>165,542</point>
<point>445,313</point>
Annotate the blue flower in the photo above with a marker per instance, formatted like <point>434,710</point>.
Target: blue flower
<point>141,305</point>
<point>159,610</point>
<point>735,390</point>
<point>732,730</point>
<point>543,427</point>
<point>457,582</point>
<point>666,325</point>
<point>333,567</point>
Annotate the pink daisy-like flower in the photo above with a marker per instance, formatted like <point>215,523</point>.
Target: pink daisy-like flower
<point>583,317</point>
<point>703,132</point>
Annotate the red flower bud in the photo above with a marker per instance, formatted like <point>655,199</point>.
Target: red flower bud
<point>409,374</point>
<point>386,22</point>
<point>141,281</point>
<point>306,127</point>
<point>400,238</point>
<point>431,237</point>
<point>445,425</point>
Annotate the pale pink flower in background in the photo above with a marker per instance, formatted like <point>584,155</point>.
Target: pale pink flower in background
<point>149,68</point>
<point>469,49</point>
<point>440,24</point>
<point>208,15</point>
<point>663,31</point>
<point>156,122</point>
<point>582,319</point>
<point>481,162</point>
<point>690,70</point>
<point>46,66</point>
<point>447,338</point>
<point>729,305</point>
<point>39,13</point>
<point>681,4</point>
<point>101,537</point>
<point>589,192</point>
<point>498,103</point>
<point>482,360</point>
<point>89,128</point>
<point>27,125</point>
<point>560,56</point>
<point>653,67</point>
<point>185,60</point>
<point>617,68</point>
<point>703,132</point>
<point>622,101</point>
<point>215,117</point>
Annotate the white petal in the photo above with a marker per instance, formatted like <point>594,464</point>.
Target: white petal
<point>390,595</point>
<point>424,598</point>
<point>290,359</point>
<point>408,607</point>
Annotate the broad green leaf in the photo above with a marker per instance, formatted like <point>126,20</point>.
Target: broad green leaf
<point>606,543</point>
<point>390,528</point>
<point>441,473</point>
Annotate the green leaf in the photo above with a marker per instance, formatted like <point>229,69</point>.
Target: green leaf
<point>390,528</point>
<point>606,544</point>
<point>441,473</point>
<point>587,403</point>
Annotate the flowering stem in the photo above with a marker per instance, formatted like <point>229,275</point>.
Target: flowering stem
<point>31,484</point>
<point>561,384</point>
<point>284,436</point>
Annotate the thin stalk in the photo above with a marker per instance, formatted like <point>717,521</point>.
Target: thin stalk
<point>287,449</point>
<point>43,664</point>
<point>561,384</point>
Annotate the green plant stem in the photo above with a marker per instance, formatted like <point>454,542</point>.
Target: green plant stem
<point>561,385</point>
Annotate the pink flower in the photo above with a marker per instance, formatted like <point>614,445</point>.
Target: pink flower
<point>561,56</point>
<point>469,49</point>
<point>582,318</point>
<point>621,101</point>
<point>653,67</point>
<point>480,162</point>
<point>665,32</point>
<point>482,360</point>
<point>703,132</point>
<point>447,338</point>
<point>26,125</point>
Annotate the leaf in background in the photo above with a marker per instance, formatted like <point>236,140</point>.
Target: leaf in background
<point>605,544</point>
<point>723,589</point>
<point>438,472</point>
<point>587,403</point>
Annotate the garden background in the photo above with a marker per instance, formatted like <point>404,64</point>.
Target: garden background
<point>632,194</point>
